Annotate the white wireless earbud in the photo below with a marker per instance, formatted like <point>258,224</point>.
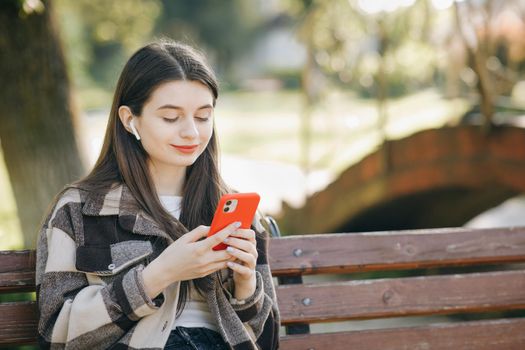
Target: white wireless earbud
<point>135,132</point>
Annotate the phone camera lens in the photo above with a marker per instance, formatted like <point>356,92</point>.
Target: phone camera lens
<point>226,209</point>
<point>228,202</point>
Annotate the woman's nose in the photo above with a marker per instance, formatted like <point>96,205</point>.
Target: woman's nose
<point>189,129</point>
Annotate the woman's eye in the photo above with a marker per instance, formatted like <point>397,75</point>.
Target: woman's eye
<point>203,119</point>
<point>170,120</point>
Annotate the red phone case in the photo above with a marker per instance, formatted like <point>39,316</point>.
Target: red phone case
<point>234,207</point>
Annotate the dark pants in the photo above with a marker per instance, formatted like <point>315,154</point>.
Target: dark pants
<point>182,338</point>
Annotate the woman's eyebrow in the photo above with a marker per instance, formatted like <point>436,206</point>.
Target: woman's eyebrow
<point>181,108</point>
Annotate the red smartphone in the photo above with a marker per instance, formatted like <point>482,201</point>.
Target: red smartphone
<point>234,207</point>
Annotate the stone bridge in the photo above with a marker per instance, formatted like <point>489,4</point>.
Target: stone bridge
<point>434,178</point>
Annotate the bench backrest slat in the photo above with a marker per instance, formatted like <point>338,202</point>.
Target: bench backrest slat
<point>17,260</point>
<point>505,334</point>
<point>18,322</point>
<point>477,292</point>
<point>17,282</point>
<point>17,271</point>
<point>344,253</point>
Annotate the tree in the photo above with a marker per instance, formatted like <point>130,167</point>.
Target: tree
<point>100,35</point>
<point>37,111</point>
<point>480,27</point>
<point>224,29</point>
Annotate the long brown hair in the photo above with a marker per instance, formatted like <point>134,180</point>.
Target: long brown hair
<point>124,160</point>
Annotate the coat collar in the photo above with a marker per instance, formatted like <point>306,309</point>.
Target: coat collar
<point>119,200</point>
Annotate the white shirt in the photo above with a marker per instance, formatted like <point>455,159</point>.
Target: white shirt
<point>196,312</point>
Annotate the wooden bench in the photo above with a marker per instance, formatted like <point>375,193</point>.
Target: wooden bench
<point>378,276</point>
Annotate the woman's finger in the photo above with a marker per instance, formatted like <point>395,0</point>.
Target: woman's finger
<point>218,237</point>
<point>211,268</point>
<point>241,269</point>
<point>242,244</point>
<point>216,256</point>
<point>197,233</point>
<point>244,233</point>
<point>246,258</point>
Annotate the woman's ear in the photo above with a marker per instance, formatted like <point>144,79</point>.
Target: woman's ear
<point>125,116</point>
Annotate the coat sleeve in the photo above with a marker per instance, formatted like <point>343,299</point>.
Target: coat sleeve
<point>260,310</point>
<point>77,309</point>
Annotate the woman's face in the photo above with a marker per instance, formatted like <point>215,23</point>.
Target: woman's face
<point>176,123</point>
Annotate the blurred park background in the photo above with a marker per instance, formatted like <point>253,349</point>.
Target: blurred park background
<point>345,115</point>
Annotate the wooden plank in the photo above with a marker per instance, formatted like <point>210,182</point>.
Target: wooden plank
<point>17,282</point>
<point>360,252</point>
<point>476,292</point>
<point>18,323</point>
<point>17,260</point>
<point>17,271</point>
<point>506,334</point>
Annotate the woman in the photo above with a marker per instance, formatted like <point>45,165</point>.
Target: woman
<point>123,258</point>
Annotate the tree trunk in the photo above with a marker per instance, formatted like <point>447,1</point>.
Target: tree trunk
<point>477,58</point>
<point>37,112</point>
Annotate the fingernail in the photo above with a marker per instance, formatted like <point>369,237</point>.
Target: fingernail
<point>229,249</point>
<point>237,224</point>
<point>226,240</point>
<point>229,263</point>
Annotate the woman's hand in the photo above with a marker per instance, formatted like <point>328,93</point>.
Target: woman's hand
<point>242,245</point>
<point>187,258</point>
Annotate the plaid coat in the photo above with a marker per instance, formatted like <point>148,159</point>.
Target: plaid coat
<point>91,251</point>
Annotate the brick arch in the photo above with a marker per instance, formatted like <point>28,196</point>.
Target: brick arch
<point>485,168</point>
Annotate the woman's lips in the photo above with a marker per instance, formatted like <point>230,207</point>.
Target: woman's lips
<point>185,149</point>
